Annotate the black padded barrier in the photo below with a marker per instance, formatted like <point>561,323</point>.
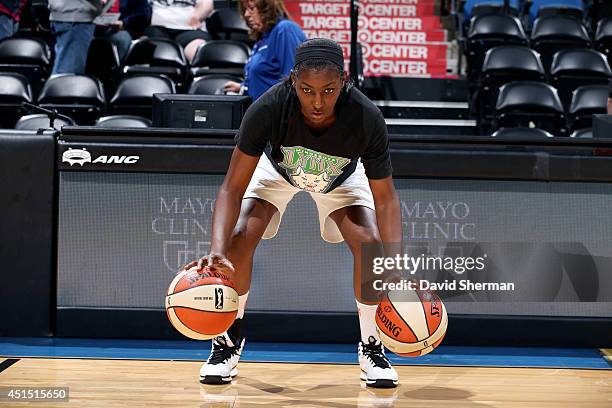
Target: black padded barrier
<point>427,157</point>
<point>27,275</point>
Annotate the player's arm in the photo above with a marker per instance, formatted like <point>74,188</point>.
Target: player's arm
<point>229,199</point>
<point>388,212</point>
<point>227,207</point>
<point>251,141</point>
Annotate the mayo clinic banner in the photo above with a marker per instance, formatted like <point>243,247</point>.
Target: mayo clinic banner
<point>122,237</point>
<point>398,37</point>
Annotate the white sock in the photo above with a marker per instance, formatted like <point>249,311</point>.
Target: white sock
<point>367,321</point>
<point>242,300</point>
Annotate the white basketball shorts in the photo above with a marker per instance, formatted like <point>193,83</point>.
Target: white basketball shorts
<point>267,184</point>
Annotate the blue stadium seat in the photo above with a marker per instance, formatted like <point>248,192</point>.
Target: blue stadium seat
<point>473,8</point>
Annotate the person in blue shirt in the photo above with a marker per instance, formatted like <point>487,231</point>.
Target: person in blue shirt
<point>273,55</point>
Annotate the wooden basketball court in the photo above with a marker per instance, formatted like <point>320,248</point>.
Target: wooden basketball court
<point>141,383</point>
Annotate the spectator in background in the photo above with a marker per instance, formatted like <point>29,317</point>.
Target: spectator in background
<point>183,21</point>
<point>10,12</point>
<point>273,55</point>
<point>134,18</point>
<point>73,29</point>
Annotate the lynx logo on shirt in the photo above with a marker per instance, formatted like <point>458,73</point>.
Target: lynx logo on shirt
<point>310,170</point>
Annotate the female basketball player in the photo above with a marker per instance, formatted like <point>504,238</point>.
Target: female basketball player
<point>316,133</point>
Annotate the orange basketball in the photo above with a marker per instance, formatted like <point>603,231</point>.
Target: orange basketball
<point>411,323</point>
<point>201,305</point>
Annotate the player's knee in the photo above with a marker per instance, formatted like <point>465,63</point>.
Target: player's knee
<point>368,236</point>
<point>364,236</point>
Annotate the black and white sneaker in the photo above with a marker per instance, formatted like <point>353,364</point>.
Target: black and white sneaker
<point>220,367</point>
<point>376,370</point>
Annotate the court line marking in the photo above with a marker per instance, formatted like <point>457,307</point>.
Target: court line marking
<point>7,363</point>
<point>607,355</point>
<point>395,363</point>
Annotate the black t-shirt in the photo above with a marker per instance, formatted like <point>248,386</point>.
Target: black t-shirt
<point>316,162</point>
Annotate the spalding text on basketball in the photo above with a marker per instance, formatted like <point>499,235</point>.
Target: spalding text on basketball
<point>388,323</point>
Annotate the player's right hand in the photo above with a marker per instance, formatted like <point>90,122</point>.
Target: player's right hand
<point>213,260</point>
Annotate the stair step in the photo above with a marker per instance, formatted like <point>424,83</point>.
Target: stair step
<point>431,126</point>
<point>422,104</point>
<point>423,110</point>
<point>431,122</point>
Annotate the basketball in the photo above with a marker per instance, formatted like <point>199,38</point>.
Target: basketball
<point>411,323</point>
<point>201,305</point>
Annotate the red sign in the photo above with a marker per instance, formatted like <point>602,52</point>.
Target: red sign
<point>398,37</point>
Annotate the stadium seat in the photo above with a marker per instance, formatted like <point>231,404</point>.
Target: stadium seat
<point>473,8</point>
<point>600,9</point>
<point>123,121</point>
<point>585,133</point>
<point>603,37</point>
<point>220,57</point>
<point>158,56</point>
<point>489,31</point>
<point>79,96</point>
<point>521,133</point>
<point>134,95</point>
<point>504,64</point>
<point>575,67</point>
<point>543,8</point>
<point>40,121</point>
<point>530,104</point>
<point>211,84</point>
<point>555,33</point>
<point>103,63</point>
<point>14,89</point>
<point>586,101</point>
<point>226,24</point>
<point>28,56</point>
